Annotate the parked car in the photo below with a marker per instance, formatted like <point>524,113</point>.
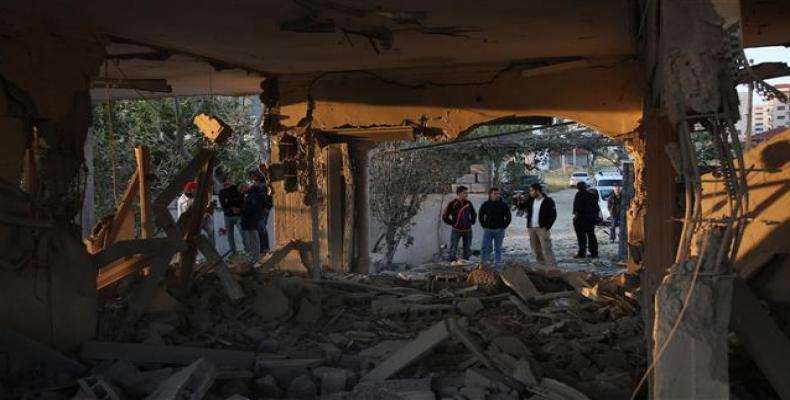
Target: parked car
<point>608,179</point>
<point>577,177</point>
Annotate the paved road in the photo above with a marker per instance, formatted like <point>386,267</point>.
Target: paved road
<point>564,239</point>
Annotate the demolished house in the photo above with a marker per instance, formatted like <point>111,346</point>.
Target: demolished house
<point>118,319</point>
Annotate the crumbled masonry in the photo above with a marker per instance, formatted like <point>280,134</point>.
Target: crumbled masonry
<point>362,337</point>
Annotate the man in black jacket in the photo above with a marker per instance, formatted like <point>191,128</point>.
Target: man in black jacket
<point>460,215</point>
<point>251,215</point>
<point>494,218</point>
<point>231,201</point>
<point>541,214</point>
<point>585,214</point>
<point>259,180</point>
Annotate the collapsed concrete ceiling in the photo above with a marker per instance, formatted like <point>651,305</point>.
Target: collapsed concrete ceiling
<point>303,36</point>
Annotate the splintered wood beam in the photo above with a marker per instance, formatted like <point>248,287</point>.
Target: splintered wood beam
<point>194,222</point>
<point>163,218</point>
<point>143,156</point>
<point>124,208</point>
<point>112,266</point>
<point>232,287</point>
<point>213,128</point>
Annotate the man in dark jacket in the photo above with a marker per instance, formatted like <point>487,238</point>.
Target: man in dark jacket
<point>250,217</point>
<point>231,201</point>
<point>541,214</point>
<point>494,218</point>
<point>259,180</point>
<point>613,205</point>
<point>585,214</point>
<point>461,216</point>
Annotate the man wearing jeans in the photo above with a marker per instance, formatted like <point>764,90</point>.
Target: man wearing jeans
<point>461,216</point>
<point>494,218</point>
<point>231,201</point>
<point>541,214</point>
<point>250,216</point>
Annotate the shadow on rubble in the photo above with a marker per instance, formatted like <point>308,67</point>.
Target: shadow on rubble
<point>461,333</point>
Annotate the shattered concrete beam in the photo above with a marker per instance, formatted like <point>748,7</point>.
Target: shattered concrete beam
<point>160,354</point>
<point>425,342</point>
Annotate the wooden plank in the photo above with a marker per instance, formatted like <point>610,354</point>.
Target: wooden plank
<point>761,337</point>
<point>141,296</point>
<point>195,220</point>
<point>161,354</point>
<point>128,248</point>
<point>349,216</point>
<point>123,209</point>
<point>334,205</point>
<point>229,282</point>
<point>143,156</point>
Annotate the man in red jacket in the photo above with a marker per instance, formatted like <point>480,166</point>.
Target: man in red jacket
<point>461,216</point>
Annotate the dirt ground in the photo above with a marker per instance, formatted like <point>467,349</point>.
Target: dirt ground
<point>564,240</point>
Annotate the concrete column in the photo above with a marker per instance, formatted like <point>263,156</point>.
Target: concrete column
<point>660,229</point>
<point>359,152</point>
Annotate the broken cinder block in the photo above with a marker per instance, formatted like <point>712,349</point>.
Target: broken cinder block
<point>213,128</point>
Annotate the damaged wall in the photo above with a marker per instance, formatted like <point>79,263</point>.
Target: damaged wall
<point>47,279</point>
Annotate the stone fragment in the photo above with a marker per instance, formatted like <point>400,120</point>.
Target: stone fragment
<point>302,388</point>
<point>308,312</point>
<point>524,374</point>
<point>332,381</point>
<point>267,387</point>
<point>292,286</point>
<point>511,345</point>
<point>271,304</point>
<point>470,306</point>
<point>516,279</point>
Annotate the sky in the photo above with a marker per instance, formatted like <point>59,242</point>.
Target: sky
<point>768,54</point>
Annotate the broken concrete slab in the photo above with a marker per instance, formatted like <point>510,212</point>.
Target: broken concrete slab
<point>308,313</point>
<point>271,303</point>
<point>157,354</point>
<point>191,383</point>
<point>516,279</point>
<point>555,390</point>
<point>425,342</point>
<point>470,344</point>
<point>470,306</point>
<point>213,128</point>
<point>407,389</point>
<point>524,374</point>
<point>267,387</point>
<point>302,388</point>
<point>332,381</point>
<point>94,387</point>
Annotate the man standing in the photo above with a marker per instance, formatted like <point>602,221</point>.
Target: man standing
<point>232,201</point>
<point>259,180</point>
<point>585,214</point>
<point>186,199</point>
<point>461,216</point>
<point>250,217</point>
<point>613,205</point>
<point>494,218</point>
<point>541,214</point>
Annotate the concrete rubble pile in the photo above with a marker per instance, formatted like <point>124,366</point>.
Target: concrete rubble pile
<point>536,335</point>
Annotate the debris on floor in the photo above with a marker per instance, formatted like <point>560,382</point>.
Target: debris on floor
<point>536,335</point>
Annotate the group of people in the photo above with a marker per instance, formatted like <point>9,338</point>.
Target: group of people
<point>495,216</point>
<point>246,206</point>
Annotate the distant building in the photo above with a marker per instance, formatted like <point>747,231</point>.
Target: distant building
<point>767,116</point>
